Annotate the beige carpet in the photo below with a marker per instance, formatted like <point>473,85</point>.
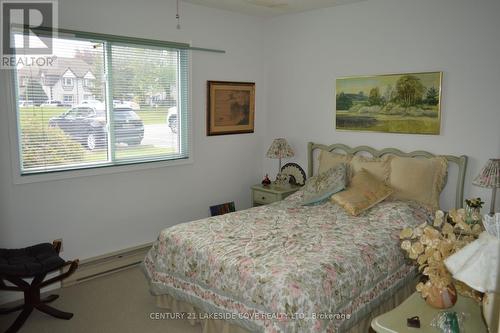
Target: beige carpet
<point>119,302</point>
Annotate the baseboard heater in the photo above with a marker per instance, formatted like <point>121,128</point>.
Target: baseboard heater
<point>92,268</point>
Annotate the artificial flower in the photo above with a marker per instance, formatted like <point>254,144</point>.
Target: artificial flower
<point>430,245</point>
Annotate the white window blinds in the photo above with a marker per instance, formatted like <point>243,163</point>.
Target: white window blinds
<point>103,103</point>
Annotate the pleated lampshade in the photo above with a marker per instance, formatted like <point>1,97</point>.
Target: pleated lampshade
<point>489,175</point>
<point>280,149</point>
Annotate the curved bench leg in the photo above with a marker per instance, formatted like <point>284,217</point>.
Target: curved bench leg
<point>53,312</point>
<point>20,320</point>
<point>32,295</point>
<point>48,299</point>
<point>12,309</point>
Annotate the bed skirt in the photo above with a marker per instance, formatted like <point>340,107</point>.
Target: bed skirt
<point>221,326</point>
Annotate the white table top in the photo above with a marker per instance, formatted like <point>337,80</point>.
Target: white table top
<point>395,320</point>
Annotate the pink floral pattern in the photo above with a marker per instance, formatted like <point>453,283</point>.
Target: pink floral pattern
<point>287,259</point>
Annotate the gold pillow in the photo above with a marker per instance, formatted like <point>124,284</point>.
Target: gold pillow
<point>379,167</point>
<point>328,160</point>
<point>418,179</point>
<point>364,192</point>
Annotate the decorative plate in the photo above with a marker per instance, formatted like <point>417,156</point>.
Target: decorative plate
<point>295,172</point>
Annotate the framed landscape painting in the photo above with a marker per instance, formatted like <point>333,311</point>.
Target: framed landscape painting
<point>392,103</point>
<point>230,107</point>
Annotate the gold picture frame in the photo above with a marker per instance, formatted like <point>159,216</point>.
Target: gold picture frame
<point>407,103</point>
<point>230,107</point>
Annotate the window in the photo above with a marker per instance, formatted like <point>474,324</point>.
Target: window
<point>67,81</point>
<point>89,83</point>
<point>136,112</point>
<point>68,99</point>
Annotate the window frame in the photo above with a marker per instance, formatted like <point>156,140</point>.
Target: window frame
<point>64,83</point>
<point>112,166</point>
<point>88,83</point>
<point>68,95</point>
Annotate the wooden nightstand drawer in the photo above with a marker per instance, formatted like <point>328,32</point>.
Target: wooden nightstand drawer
<point>264,197</point>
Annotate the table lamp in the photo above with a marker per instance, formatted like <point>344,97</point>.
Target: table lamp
<point>280,149</point>
<point>478,266</point>
<point>490,177</point>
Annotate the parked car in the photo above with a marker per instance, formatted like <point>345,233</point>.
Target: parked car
<point>173,119</point>
<point>51,104</point>
<point>25,104</point>
<point>128,126</point>
<point>131,104</point>
<point>88,126</point>
<point>98,105</point>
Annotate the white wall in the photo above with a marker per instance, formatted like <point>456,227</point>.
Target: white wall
<point>100,214</point>
<point>307,51</point>
<point>294,60</point>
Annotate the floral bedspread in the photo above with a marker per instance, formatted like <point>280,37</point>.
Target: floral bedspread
<point>285,267</point>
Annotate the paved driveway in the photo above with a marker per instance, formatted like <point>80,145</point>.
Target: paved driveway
<point>159,135</point>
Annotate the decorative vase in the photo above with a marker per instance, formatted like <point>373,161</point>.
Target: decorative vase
<point>442,298</point>
<point>266,181</point>
<point>472,214</point>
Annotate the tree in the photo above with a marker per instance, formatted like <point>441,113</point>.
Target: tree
<point>343,102</point>
<point>138,73</point>
<point>87,55</point>
<point>35,92</point>
<point>141,73</point>
<point>432,96</point>
<point>374,97</point>
<point>94,58</point>
<point>389,93</point>
<point>409,90</point>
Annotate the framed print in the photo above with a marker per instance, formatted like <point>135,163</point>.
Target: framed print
<point>393,103</point>
<point>230,107</point>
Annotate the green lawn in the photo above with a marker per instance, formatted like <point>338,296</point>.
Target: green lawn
<point>38,115</point>
<point>153,117</point>
<point>41,115</point>
<point>63,149</point>
<point>100,155</point>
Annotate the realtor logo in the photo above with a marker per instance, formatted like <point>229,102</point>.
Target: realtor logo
<point>19,36</point>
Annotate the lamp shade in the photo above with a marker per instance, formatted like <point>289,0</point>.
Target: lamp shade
<point>477,264</point>
<point>489,175</point>
<point>280,149</point>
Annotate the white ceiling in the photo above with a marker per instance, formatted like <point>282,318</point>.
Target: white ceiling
<point>267,8</point>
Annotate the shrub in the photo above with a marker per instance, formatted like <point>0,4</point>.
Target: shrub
<point>44,146</point>
<point>369,109</point>
<point>343,102</point>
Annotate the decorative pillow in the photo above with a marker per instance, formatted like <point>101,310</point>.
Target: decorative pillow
<point>364,192</point>
<point>328,160</point>
<point>319,188</point>
<point>379,167</point>
<point>418,179</point>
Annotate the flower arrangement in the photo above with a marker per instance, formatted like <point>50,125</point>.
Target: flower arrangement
<point>474,203</point>
<point>473,210</point>
<point>429,245</point>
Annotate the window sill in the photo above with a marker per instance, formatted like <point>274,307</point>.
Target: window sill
<point>96,171</point>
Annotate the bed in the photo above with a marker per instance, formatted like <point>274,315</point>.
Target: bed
<point>286,267</point>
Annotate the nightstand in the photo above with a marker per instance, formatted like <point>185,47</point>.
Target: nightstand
<point>395,320</point>
<point>263,195</point>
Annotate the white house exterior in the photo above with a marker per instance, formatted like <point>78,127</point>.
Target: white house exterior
<point>69,80</point>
